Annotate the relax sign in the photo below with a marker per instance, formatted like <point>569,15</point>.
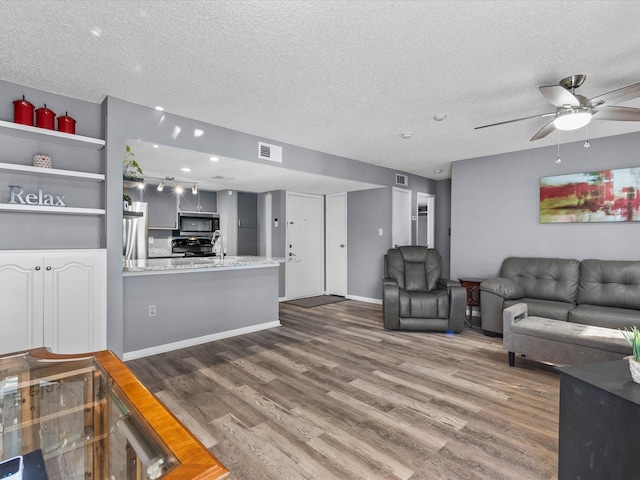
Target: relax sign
<point>18,196</point>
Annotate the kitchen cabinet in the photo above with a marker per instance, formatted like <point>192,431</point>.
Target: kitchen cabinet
<point>163,208</point>
<point>203,201</point>
<point>55,298</point>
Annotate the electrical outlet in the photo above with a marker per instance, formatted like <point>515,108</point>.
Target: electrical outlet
<point>152,310</point>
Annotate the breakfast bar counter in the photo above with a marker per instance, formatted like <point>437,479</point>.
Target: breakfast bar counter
<point>172,303</point>
<point>184,264</point>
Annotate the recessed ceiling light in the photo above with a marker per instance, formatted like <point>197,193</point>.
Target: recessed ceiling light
<point>159,108</point>
<point>156,146</point>
<point>96,31</point>
<point>439,117</point>
<point>406,136</point>
<point>185,169</point>
<point>437,170</point>
<point>198,132</point>
<point>214,159</point>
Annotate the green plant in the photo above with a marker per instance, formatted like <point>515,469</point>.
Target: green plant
<point>126,198</point>
<point>633,337</point>
<point>131,167</point>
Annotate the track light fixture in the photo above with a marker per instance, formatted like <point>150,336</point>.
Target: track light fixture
<point>161,185</point>
<point>194,189</point>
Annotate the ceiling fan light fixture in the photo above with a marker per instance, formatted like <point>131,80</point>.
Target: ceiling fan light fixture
<point>572,119</point>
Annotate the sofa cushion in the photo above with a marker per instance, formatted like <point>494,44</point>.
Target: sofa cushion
<point>544,308</point>
<point>544,278</point>
<point>573,333</point>
<point>610,283</point>
<point>611,317</point>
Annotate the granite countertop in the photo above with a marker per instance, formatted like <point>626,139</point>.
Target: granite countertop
<point>182,264</point>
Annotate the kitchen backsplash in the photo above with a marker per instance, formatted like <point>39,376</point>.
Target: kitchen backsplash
<point>161,247</point>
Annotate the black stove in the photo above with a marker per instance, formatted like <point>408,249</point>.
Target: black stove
<point>192,246</point>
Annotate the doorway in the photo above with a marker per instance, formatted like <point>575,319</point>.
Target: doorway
<point>305,245</point>
<point>425,223</point>
<point>401,217</point>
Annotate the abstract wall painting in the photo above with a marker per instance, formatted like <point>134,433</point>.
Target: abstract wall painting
<point>602,196</point>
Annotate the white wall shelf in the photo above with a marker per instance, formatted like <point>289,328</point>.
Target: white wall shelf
<point>53,136</point>
<point>11,207</point>
<point>27,169</point>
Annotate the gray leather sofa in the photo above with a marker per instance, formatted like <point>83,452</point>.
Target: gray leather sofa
<point>416,297</point>
<point>603,293</point>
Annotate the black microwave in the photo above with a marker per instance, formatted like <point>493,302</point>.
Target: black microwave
<point>197,224</point>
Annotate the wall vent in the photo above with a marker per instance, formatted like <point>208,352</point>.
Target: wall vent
<point>402,180</point>
<point>273,153</point>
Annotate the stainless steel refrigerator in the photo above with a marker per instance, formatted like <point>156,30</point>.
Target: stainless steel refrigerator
<point>135,227</point>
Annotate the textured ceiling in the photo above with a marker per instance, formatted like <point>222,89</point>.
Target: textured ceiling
<point>342,77</point>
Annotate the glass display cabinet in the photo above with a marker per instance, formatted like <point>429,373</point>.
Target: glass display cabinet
<point>71,417</point>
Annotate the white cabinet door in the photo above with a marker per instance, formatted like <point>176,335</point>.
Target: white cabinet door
<point>74,302</point>
<point>53,298</point>
<point>21,314</point>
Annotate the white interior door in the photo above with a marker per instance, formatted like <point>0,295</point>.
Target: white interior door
<point>336,244</point>
<point>401,217</point>
<point>305,245</point>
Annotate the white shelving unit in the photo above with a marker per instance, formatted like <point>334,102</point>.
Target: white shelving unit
<point>10,207</point>
<point>55,172</point>
<point>53,136</point>
<point>27,132</point>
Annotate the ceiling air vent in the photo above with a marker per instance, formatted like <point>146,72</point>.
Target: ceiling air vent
<point>273,153</point>
<point>402,180</point>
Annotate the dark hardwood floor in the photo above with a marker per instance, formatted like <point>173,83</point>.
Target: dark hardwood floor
<point>332,395</point>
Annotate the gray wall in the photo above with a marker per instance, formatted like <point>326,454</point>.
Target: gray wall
<point>495,208</point>
<point>443,222</point>
<point>367,212</point>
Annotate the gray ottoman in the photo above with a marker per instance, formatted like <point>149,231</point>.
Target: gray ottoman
<point>559,342</point>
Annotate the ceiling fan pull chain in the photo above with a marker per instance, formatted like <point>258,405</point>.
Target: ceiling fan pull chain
<point>558,159</point>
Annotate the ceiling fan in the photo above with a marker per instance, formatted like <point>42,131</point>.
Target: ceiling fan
<point>575,111</point>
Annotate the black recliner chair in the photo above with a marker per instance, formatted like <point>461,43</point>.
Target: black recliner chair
<point>415,297</point>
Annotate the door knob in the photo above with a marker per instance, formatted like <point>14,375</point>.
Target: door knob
<point>37,268</point>
<point>48,268</point>
<point>342,245</point>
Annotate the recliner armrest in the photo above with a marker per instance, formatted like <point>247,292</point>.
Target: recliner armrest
<point>447,283</point>
<point>390,304</point>
<point>503,287</point>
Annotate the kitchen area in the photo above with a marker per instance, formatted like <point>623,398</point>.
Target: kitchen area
<point>191,269</point>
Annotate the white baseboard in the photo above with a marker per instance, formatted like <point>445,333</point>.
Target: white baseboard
<point>364,299</point>
<point>168,347</point>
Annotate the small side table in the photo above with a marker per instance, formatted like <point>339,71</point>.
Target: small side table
<point>472,285</point>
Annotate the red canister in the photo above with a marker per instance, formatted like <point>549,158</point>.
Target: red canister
<point>66,124</point>
<point>45,118</point>
<point>23,112</point>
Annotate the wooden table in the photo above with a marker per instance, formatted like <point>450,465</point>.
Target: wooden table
<point>88,416</point>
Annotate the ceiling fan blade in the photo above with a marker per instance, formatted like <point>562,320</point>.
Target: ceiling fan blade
<point>544,131</point>
<point>559,96</point>
<point>623,114</point>
<point>517,120</point>
<point>617,96</point>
